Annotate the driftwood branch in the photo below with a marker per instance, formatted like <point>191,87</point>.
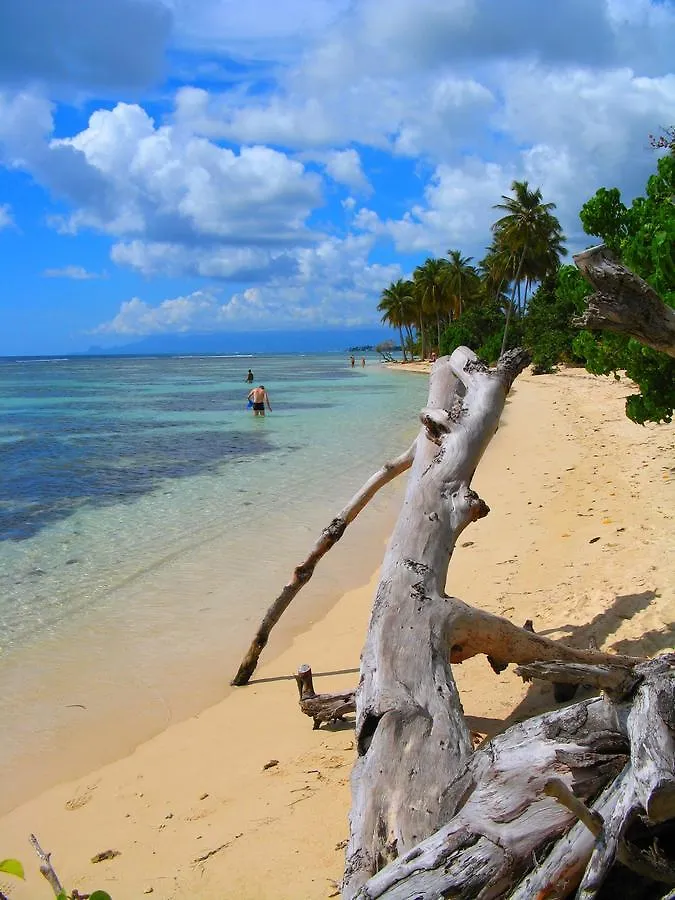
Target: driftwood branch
<point>624,302</point>
<point>322,707</point>
<point>46,867</point>
<point>617,681</point>
<point>557,789</point>
<point>503,817</point>
<point>303,572</point>
<point>651,728</point>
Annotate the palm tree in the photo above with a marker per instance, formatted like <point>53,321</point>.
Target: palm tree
<point>462,279</point>
<point>397,307</point>
<point>531,236</point>
<point>430,280</point>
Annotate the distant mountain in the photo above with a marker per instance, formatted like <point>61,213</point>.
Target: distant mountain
<point>325,341</point>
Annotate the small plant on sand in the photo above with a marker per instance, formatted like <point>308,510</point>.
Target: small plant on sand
<point>15,868</point>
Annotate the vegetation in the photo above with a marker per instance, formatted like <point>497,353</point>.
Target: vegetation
<point>15,868</point>
<point>643,237</point>
<point>519,293</point>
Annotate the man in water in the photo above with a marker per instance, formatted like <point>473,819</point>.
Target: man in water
<point>258,396</point>
<point>249,377</point>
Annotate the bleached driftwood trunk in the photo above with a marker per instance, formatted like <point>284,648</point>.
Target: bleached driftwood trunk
<point>415,768</point>
<point>624,302</point>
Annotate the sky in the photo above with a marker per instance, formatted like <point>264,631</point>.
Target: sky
<point>180,166</point>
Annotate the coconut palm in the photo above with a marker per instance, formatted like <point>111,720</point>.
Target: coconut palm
<point>531,236</point>
<point>462,279</point>
<point>397,305</point>
<point>431,286</point>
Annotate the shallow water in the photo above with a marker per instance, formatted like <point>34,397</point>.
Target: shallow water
<point>147,519</point>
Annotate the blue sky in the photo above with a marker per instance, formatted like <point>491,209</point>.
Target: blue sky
<point>173,166</point>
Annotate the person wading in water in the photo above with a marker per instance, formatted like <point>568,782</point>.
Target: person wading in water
<point>258,396</point>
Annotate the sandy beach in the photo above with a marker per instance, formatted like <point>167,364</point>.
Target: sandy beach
<point>579,539</point>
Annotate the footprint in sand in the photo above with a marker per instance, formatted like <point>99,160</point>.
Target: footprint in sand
<point>82,798</point>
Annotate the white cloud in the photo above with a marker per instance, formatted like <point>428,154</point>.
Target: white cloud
<point>457,210</point>
<point>344,166</point>
<point>6,217</point>
<point>453,99</point>
<point>76,273</point>
<point>332,284</point>
<point>171,197</point>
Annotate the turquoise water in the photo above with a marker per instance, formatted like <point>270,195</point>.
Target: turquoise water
<point>147,520</point>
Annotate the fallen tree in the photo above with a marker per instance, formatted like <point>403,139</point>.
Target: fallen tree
<point>430,816</point>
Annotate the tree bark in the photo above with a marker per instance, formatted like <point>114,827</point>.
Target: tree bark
<point>624,302</point>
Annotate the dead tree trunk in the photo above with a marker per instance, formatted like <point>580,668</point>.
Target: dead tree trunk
<point>504,811</point>
<point>412,739</point>
<point>624,302</point>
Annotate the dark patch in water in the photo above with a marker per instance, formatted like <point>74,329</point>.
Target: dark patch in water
<point>49,476</point>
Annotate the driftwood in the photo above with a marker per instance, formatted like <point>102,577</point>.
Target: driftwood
<point>303,572</point>
<point>322,707</point>
<point>546,807</point>
<point>46,868</point>
<point>623,302</point>
<point>504,810</point>
<point>415,768</point>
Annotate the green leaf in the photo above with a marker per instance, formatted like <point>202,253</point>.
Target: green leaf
<point>100,895</point>
<point>62,896</point>
<point>12,867</point>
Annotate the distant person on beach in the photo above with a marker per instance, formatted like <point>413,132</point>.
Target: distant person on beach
<point>363,362</point>
<point>352,360</point>
<point>258,396</point>
<point>249,377</point>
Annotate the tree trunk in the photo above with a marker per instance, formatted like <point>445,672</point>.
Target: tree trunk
<point>624,302</point>
<point>411,735</point>
<point>513,295</point>
<point>400,337</point>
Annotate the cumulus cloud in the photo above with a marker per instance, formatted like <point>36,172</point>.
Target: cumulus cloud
<point>6,217</point>
<point>333,284</point>
<point>116,44</point>
<point>457,210</point>
<point>76,273</point>
<point>344,166</point>
<point>168,194</point>
<point>417,116</point>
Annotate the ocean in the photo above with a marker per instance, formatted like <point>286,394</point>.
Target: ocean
<point>148,519</point>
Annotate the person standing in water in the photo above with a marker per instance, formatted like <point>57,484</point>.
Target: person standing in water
<point>249,377</point>
<point>258,396</point>
<point>352,360</point>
